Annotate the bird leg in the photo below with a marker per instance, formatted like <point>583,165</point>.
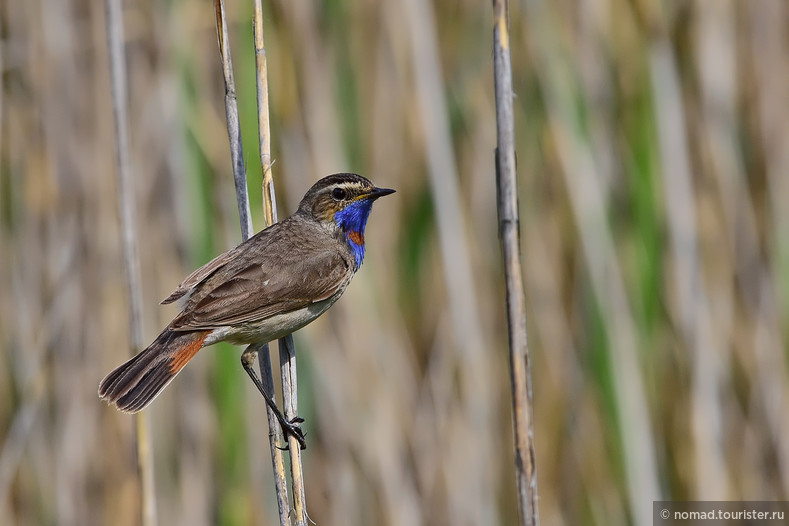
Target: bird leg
<point>289,427</point>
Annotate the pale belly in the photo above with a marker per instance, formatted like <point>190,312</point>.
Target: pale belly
<point>274,327</point>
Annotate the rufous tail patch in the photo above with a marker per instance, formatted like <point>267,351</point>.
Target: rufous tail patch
<point>182,355</point>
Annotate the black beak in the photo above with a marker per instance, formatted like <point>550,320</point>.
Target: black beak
<point>379,192</point>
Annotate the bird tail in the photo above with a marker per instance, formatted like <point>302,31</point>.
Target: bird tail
<point>134,384</point>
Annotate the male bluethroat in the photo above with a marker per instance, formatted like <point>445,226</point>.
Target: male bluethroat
<point>267,287</point>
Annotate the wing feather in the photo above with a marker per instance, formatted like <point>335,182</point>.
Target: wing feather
<point>201,274</point>
<point>276,273</point>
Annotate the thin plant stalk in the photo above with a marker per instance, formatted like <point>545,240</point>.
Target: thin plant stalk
<point>270,212</point>
<point>286,347</point>
<point>287,360</point>
<point>507,191</point>
<point>275,436</point>
<point>115,41</point>
<point>239,174</point>
<point>233,127</point>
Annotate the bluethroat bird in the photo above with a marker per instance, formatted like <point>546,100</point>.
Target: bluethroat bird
<point>271,285</point>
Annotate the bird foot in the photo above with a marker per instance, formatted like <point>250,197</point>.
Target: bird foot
<point>292,427</point>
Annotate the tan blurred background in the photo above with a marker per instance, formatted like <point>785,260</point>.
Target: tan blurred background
<point>653,158</point>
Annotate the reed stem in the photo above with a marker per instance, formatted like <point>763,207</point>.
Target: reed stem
<point>115,43</point>
<point>509,223</point>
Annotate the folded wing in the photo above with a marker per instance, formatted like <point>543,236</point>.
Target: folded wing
<point>201,274</point>
<point>274,273</point>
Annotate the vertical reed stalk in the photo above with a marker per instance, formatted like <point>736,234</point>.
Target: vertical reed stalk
<point>115,42</point>
<point>287,360</point>
<point>233,127</point>
<point>270,212</point>
<point>287,353</point>
<point>507,191</point>
<point>239,174</point>
<point>275,437</point>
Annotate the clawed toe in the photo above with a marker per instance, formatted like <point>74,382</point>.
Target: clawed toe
<point>290,427</point>
<point>293,428</point>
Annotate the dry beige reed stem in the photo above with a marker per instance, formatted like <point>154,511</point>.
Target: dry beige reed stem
<point>286,348</point>
<point>507,189</point>
<point>264,148</point>
<point>115,40</point>
<point>287,356</point>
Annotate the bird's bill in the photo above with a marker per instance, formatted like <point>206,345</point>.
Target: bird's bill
<point>378,192</point>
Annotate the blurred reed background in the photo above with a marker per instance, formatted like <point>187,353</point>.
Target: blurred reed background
<point>653,150</point>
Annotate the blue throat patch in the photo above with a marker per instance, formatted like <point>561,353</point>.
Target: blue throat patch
<point>352,219</point>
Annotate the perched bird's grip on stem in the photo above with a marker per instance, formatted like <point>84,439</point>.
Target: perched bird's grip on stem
<point>290,426</point>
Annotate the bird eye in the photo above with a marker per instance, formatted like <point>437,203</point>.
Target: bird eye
<point>339,193</point>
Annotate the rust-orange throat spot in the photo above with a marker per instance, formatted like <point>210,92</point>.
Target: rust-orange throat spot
<point>356,237</point>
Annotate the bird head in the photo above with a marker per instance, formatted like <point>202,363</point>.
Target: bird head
<point>343,202</point>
